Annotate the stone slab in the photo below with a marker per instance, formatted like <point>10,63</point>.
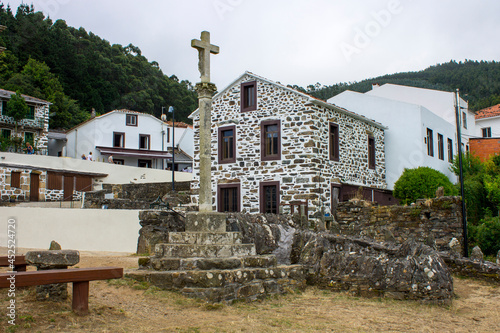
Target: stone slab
<point>53,258</point>
<point>205,238</point>
<point>205,222</point>
<point>174,264</point>
<point>276,279</point>
<point>204,251</point>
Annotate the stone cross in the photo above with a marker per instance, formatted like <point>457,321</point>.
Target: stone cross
<point>204,48</point>
<point>205,90</point>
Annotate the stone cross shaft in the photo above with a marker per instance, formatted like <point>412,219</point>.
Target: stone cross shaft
<point>204,48</point>
<point>205,90</point>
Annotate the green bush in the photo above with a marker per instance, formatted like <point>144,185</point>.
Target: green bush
<point>421,183</point>
<point>486,235</point>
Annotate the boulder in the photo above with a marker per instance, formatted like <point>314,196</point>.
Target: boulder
<point>477,254</point>
<point>365,268</point>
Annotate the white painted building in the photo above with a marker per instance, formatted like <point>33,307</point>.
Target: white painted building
<point>441,103</point>
<point>132,138</point>
<point>415,136</point>
<point>488,122</point>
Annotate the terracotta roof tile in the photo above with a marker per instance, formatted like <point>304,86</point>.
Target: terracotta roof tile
<point>492,111</point>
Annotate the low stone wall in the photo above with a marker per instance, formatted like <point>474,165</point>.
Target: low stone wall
<point>432,221</point>
<point>478,269</point>
<point>137,196</point>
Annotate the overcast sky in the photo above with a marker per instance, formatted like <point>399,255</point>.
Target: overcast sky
<point>291,41</point>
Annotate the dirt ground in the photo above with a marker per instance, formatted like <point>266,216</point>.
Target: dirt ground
<point>127,306</point>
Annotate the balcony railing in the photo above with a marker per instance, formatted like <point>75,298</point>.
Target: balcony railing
<point>37,123</point>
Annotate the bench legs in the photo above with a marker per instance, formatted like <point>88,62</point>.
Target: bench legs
<point>81,297</point>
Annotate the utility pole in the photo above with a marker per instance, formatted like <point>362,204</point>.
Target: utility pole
<point>171,109</point>
<point>459,141</point>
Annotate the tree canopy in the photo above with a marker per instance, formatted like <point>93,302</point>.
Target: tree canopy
<point>78,71</point>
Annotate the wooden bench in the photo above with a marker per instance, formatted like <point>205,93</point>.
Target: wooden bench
<point>19,263</point>
<point>80,278</point>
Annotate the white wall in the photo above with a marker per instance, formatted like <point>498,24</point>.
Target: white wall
<point>493,122</point>
<point>404,139</point>
<point>75,229</point>
<point>441,103</point>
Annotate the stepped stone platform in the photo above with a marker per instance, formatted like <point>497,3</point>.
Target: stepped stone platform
<point>207,262</point>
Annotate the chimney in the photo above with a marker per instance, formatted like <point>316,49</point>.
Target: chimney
<point>92,114</point>
<point>375,85</point>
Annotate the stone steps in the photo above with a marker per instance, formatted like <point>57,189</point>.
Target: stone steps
<point>226,285</point>
<point>204,251</point>
<point>205,238</point>
<point>181,264</point>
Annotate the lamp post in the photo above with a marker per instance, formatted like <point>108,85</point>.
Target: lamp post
<point>171,109</point>
<point>163,118</point>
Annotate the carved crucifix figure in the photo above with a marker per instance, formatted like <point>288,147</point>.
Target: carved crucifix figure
<point>204,49</point>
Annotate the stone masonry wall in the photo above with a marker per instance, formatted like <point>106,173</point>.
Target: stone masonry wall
<point>304,171</point>
<point>428,221</point>
<point>137,196</point>
<point>7,192</point>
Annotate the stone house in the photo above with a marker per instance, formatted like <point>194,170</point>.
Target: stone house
<point>274,147</point>
<point>132,138</point>
<point>33,128</point>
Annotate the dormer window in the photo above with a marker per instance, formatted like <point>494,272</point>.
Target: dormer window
<point>131,120</point>
<point>249,96</point>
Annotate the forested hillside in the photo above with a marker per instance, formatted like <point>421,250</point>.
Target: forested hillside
<point>479,82</point>
<point>77,71</point>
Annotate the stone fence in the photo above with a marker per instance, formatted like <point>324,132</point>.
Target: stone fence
<point>433,221</point>
<point>137,196</point>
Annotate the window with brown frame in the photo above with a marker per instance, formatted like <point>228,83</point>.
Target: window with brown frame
<point>118,140</point>
<point>227,144</point>
<point>270,142</point>
<point>333,142</point>
<point>430,142</point>
<point>248,96</point>
<point>15,179</point>
<point>486,132</point>
<point>269,197</point>
<point>131,120</point>
<point>450,150</point>
<point>144,141</point>
<point>54,181</point>
<point>371,152</point>
<point>440,147</point>
<point>228,198</point>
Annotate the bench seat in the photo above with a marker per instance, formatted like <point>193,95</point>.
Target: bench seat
<point>80,278</point>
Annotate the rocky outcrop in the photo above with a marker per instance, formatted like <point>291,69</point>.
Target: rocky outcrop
<point>410,271</point>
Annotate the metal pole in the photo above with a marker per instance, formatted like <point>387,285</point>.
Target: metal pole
<point>459,139</point>
<point>173,147</point>
<point>162,137</point>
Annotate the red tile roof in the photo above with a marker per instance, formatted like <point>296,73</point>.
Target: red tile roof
<point>492,111</point>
